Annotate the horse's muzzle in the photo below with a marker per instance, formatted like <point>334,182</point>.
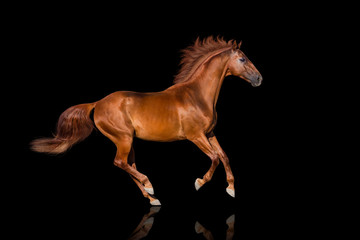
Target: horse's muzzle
<point>257,81</point>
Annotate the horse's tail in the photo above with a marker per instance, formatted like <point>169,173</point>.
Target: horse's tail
<point>74,125</point>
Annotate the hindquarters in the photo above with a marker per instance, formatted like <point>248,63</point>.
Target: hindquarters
<point>111,117</point>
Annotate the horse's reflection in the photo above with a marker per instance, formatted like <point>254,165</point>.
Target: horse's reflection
<point>146,223</point>
<point>142,230</point>
<point>207,234</point>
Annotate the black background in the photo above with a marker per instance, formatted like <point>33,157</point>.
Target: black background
<point>67,55</point>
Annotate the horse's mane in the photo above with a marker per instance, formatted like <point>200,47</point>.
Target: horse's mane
<point>194,56</point>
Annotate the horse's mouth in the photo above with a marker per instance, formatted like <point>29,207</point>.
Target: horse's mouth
<point>256,84</point>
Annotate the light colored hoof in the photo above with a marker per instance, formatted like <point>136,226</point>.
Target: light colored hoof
<point>149,221</point>
<point>149,190</point>
<point>231,192</point>
<point>230,219</point>
<point>197,184</point>
<point>155,203</point>
<point>155,209</point>
<point>198,227</point>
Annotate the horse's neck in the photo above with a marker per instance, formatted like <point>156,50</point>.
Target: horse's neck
<point>211,78</point>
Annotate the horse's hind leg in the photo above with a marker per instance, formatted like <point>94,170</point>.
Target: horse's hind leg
<point>123,145</point>
<point>117,127</point>
<point>153,200</point>
<point>131,161</point>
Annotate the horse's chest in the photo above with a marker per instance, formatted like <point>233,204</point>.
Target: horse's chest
<point>195,122</point>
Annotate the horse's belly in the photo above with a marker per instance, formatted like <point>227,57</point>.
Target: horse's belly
<point>162,132</point>
<point>155,117</point>
<point>157,125</point>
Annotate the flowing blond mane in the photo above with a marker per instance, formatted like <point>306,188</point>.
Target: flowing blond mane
<point>195,56</point>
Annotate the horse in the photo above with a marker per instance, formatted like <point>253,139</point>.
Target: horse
<point>184,111</point>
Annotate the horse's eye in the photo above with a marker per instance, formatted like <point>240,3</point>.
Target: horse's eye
<point>242,59</point>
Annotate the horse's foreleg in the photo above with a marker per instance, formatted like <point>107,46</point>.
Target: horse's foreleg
<point>208,175</point>
<point>203,143</point>
<point>225,160</point>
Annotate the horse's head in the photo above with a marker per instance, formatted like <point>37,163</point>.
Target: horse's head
<point>241,66</point>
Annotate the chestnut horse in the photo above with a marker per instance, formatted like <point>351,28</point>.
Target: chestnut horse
<point>186,110</point>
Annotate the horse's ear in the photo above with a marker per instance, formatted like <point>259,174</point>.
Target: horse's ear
<point>234,45</point>
<point>239,44</point>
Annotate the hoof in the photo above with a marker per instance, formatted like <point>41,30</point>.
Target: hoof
<point>230,219</point>
<point>149,221</point>
<point>149,190</point>
<point>198,227</point>
<point>155,203</point>
<point>155,209</point>
<point>197,184</point>
<point>231,192</point>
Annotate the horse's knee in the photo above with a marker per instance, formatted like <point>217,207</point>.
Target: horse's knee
<point>214,157</point>
<point>215,161</point>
